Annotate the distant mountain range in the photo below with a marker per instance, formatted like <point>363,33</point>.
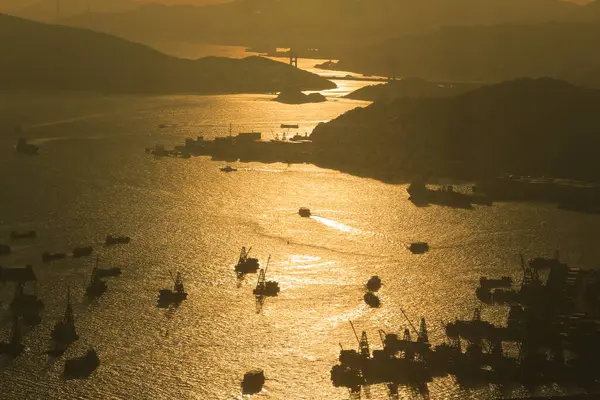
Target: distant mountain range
<point>334,26</point>
<point>488,53</point>
<point>525,126</point>
<point>41,56</point>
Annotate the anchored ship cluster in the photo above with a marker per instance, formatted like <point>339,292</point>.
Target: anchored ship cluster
<point>26,307</point>
<point>552,324</point>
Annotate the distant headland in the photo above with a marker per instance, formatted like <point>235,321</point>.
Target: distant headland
<point>51,57</point>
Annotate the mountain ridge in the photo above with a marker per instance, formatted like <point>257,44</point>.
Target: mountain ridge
<point>45,56</point>
<point>525,126</point>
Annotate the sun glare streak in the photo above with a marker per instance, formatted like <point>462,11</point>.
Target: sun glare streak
<point>336,225</point>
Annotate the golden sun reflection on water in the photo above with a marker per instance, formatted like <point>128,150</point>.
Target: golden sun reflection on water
<point>336,225</point>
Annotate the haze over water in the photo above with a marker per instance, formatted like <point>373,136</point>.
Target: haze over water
<point>93,178</point>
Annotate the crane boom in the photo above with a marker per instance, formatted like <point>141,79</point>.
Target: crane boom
<point>409,322</point>
<point>354,330</point>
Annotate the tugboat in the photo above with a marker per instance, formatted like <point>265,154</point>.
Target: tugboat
<point>374,284</point>
<point>372,300</point>
<point>228,168</point>
<point>15,235</point>
<point>47,257</point>
<point>419,248</point>
<point>83,251</point>
<point>246,264</point>
<point>82,367</point>
<point>5,249</point>
<point>26,148</point>
<point>178,294</point>
<point>304,212</point>
<point>96,287</point>
<point>253,381</point>
<point>64,330</point>
<point>264,287</point>
<point>13,348</point>
<point>106,272</point>
<point>112,240</point>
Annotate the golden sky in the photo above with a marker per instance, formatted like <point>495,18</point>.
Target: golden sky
<point>197,2</point>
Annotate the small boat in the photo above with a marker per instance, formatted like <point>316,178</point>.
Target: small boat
<point>372,300</point>
<point>15,235</point>
<point>178,294</point>
<point>47,257</point>
<point>112,240</point>
<point>289,126</point>
<point>5,249</point>
<point>83,251</point>
<point>228,168</point>
<point>304,212</point>
<point>374,284</point>
<point>298,137</point>
<point>253,381</point>
<point>14,347</point>
<point>264,287</point>
<point>26,148</point>
<point>419,248</point>
<point>246,264</point>
<point>64,330</point>
<point>96,287</point>
<point>82,367</point>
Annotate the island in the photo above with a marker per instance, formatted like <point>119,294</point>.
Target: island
<point>329,65</point>
<point>51,57</point>
<point>297,97</point>
<point>527,127</point>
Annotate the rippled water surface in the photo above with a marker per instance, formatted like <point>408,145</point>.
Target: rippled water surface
<point>92,177</point>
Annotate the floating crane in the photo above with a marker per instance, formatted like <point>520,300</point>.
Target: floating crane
<point>246,264</point>
<point>64,331</point>
<point>363,342</point>
<point>264,287</point>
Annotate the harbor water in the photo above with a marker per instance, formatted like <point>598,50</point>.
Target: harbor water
<point>93,178</point>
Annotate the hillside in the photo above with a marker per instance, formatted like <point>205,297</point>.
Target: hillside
<point>333,26</point>
<point>525,126</point>
<point>40,56</point>
<point>411,88</point>
<point>487,53</point>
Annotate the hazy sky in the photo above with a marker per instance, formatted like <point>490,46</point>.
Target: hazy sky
<point>224,1</point>
<point>185,1</point>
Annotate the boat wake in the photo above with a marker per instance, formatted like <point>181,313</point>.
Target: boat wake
<point>337,225</point>
<point>64,121</point>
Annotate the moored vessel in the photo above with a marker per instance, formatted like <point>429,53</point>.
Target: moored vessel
<point>178,294</point>
<point>245,263</point>
<point>96,287</point>
<point>64,331</point>
<point>264,287</point>
<point>304,212</point>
